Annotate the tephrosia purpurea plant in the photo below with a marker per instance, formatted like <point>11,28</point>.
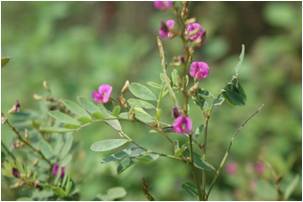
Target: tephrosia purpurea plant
<point>181,84</point>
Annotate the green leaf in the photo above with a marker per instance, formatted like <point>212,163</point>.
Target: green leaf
<point>148,157</point>
<point>90,107</point>
<point>234,93</point>
<point>68,140</point>
<point>200,97</point>
<point>201,164</point>
<point>190,188</point>
<point>142,115</point>
<point>114,157</point>
<point>116,193</point>
<point>63,118</point>
<point>116,110</point>
<point>124,164</point>
<point>141,91</point>
<point>291,187</point>
<point>56,130</point>
<point>199,130</point>
<point>4,61</point>
<point>81,114</point>
<point>115,124</point>
<point>154,85</point>
<point>140,103</point>
<point>108,145</point>
<point>218,100</point>
<point>112,194</point>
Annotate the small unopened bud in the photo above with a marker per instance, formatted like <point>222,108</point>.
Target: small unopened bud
<point>125,87</point>
<point>15,107</point>
<point>176,113</point>
<point>15,172</point>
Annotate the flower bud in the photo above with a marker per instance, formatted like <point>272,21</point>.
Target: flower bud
<point>166,29</point>
<point>194,32</point>
<point>15,172</point>
<point>176,112</point>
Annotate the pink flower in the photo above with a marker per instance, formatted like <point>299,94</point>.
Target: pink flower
<point>166,29</point>
<point>194,32</point>
<point>259,167</point>
<point>182,124</point>
<point>231,168</point>
<point>103,94</point>
<point>199,70</point>
<point>163,5</point>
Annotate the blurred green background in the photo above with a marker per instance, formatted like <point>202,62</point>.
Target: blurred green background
<point>75,46</point>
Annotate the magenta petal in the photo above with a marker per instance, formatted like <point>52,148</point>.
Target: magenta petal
<point>199,70</point>
<point>96,97</point>
<point>182,124</point>
<point>165,31</point>
<point>105,91</point>
<point>55,169</point>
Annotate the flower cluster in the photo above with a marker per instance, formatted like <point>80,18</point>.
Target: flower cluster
<point>194,32</point>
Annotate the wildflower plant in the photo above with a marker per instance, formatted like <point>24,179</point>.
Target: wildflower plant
<point>181,81</point>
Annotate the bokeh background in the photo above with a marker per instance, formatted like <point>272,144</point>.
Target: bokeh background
<point>75,46</point>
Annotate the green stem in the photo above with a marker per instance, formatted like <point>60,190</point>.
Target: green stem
<point>194,170</point>
<point>205,134</point>
<point>217,173</point>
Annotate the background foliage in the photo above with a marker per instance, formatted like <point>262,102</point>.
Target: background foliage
<point>75,46</point>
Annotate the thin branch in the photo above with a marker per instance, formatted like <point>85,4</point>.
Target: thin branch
<point>38,151</point>
<point>217,173</point>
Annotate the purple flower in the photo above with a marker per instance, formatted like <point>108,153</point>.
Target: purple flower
<point>259,167</point>
<point>182,124</point>
<point>231,168</point>
<point>15,172</point>
<point>55,169</point>
<point>62,172</point>
<point>176,112</point>
<point>103,94</point>
<point>166,28</point>
<point>199,70</point>
<point>163,5</point>
<point>194,32</point>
